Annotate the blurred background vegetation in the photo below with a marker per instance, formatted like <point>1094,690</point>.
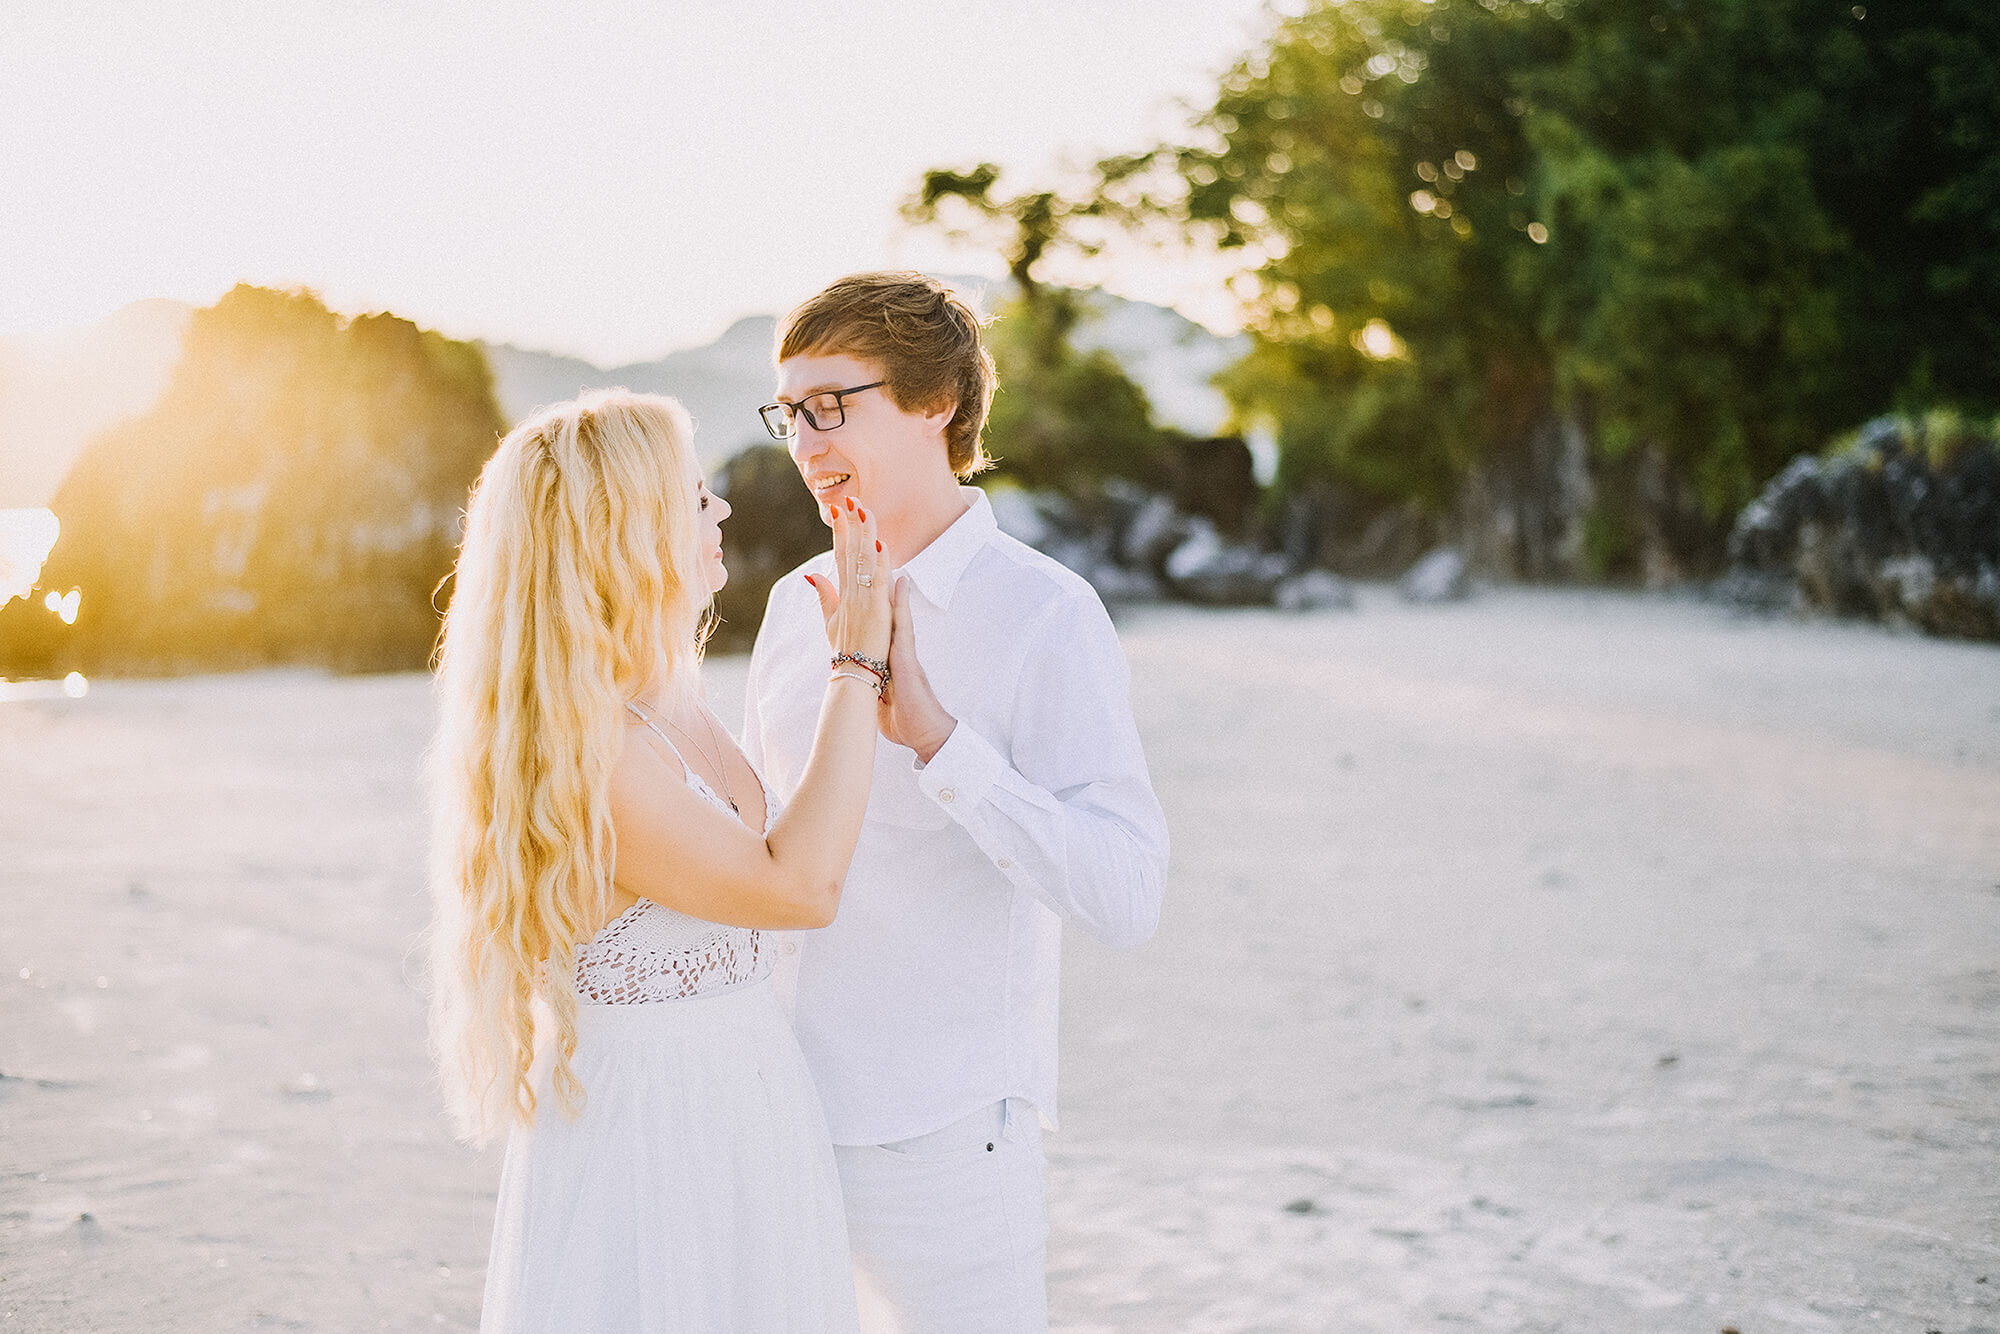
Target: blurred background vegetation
<point>293,497</point>
<point>1564,284</point>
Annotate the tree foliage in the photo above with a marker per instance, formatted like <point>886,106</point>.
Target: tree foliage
<point>1061,418</point>
<point>294,496</point>
<point>1717,230</point>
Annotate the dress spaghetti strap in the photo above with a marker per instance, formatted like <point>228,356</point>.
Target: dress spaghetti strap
<point>686,768</point>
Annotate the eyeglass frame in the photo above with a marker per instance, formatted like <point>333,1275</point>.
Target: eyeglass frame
<point>793,411</point>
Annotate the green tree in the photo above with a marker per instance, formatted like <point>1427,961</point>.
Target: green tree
<point>1701,234</point>
<point>1061,418</point>
<point>1905,156</point>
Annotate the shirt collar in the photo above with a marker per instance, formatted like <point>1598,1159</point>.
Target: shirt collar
<point>937,569</point>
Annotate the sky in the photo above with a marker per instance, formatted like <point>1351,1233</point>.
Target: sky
<point>610,180</point>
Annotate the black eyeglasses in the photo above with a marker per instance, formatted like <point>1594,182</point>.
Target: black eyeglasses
<point>824,410</point>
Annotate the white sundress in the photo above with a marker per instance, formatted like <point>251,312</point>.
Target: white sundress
<point>696,1193</point>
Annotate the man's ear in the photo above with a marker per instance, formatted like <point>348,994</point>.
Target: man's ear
<point>942,416</point>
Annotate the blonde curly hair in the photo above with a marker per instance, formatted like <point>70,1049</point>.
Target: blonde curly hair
<point>579,585</point>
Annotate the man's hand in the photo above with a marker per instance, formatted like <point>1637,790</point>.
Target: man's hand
<point>912,715</point>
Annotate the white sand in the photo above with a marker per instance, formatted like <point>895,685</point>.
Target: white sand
<point>1567,961</point>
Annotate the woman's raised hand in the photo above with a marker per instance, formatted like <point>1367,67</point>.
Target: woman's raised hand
<point>858,612</point>
<point>701,861</point>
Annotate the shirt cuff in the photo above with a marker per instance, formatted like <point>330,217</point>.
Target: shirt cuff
<point>963,772</point>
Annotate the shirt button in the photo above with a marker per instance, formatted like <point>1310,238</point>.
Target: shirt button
<point>946,795</point>
<point>791,947</point>
<point>1003,863</point>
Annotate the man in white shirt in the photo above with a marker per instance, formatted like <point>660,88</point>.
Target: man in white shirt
<point>1010,795</point>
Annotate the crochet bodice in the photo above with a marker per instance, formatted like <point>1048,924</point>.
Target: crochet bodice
<point>650,953</point>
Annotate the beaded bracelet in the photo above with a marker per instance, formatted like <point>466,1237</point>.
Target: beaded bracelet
<point>868,681</point>
<point>875,665</point>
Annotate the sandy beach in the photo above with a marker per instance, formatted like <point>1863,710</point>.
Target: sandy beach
<point>1555,961</point>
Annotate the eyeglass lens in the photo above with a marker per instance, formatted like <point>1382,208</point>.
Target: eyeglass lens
<point>823,412</point>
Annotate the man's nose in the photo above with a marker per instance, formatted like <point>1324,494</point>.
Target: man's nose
<point>807,443</point>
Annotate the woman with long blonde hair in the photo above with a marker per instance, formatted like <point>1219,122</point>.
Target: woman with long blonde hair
<point>606,864</point>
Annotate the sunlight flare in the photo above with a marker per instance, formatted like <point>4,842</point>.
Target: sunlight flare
<point>1378,342</point>
<point>26,538</point>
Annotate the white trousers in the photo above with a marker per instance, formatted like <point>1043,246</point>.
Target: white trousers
<point>950,1230</point>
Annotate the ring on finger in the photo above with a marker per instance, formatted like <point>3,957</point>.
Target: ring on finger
<point>865,580</point>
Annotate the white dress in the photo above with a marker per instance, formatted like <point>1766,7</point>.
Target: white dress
<point>696,1193</point>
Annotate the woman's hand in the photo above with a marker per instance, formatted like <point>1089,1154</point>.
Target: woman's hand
<point>857,611</point>
<point>912,715</point>
<point>676,848</point>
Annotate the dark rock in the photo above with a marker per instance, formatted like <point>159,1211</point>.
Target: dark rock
<point>1064,516</point>
<point>1216,480</point>
<point>1120,585</point>
<point>1903,524</point>
<point>1391,541</point>
<point>1073,553</point>
<point>1522,511</point>
<point>1762,539</point>
<point>1020,516</point>
<point>1750,590</point>
<point>1439,577</point>
<point>1136,546</point>
<point>1105,514</point>
<point>1206,569</point>
<point>1314,590</point>
<point>1906,584</point>
<point>1325,526</point>
<point>1154,534</point>
<point>1115,583</point>
<point>1310,522</point>
<point>774,526</point>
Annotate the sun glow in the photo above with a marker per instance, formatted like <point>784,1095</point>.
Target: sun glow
<point>26,538</point>
<point>1377,341</point>
<point>73,686</point>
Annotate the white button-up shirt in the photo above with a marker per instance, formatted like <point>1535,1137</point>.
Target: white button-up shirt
<point>934,992</point>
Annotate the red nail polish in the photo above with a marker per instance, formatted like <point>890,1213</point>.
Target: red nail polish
<point>850,504</point>
<point>863,514</point>
<point>878,546</point>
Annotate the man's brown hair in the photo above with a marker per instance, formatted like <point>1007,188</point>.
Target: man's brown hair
<point>923,336</point>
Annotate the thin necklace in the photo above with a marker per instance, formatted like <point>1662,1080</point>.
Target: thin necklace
<point>715,759</point>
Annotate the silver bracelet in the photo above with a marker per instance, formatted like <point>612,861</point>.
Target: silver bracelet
<point>866,664</point>
<point>852,675</point>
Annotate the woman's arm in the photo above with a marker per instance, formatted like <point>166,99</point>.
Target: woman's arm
<point>679,850</point>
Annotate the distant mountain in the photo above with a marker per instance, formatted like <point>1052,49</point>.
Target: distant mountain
<point>1170,356</point>
<point>722,384</point>
<point>57,390</point>
<point>1167,354</point>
